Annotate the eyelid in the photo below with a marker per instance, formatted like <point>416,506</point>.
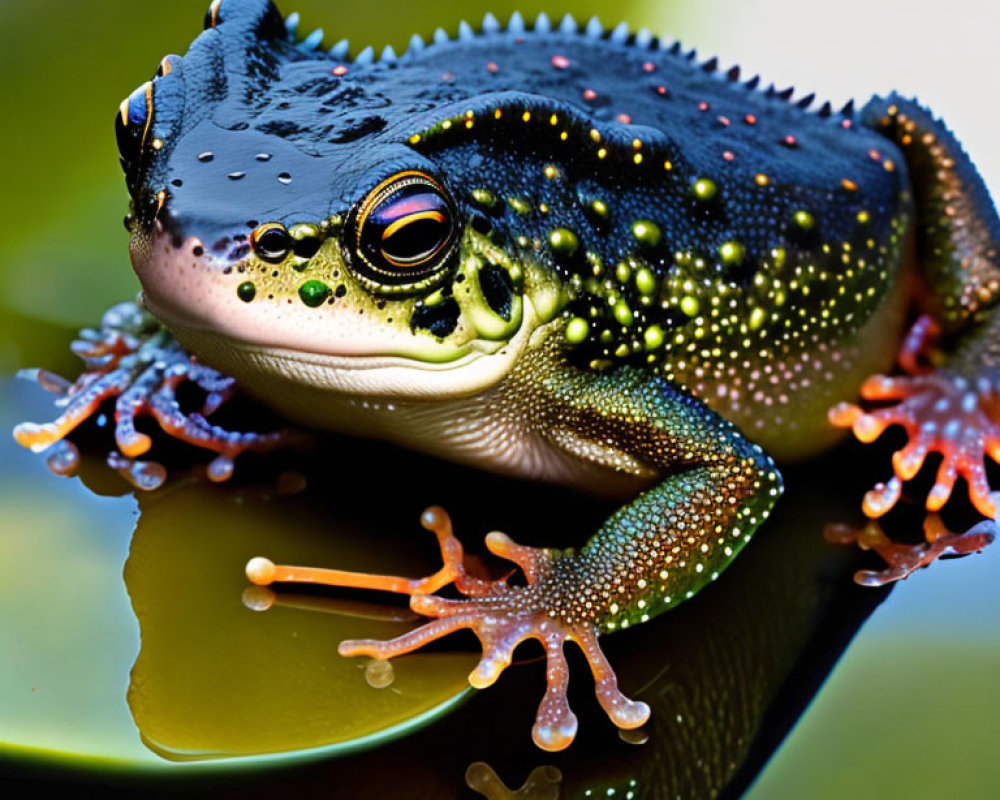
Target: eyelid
<point>437,216</point>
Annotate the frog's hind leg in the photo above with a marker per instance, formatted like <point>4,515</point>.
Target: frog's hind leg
<point>949,400</point>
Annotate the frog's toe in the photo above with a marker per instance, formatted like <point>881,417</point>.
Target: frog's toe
<point>942,413</point>
<point>902,559</point>
<point>133,360</point>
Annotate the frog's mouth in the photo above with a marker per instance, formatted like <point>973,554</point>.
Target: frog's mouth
<point>349,342</point>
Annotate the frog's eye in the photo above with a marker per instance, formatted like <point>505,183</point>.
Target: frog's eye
<point>404,232</point>
<point>132,124</point>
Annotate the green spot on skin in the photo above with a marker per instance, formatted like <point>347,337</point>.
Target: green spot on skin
<point>600,208</point>
<point>804,219</point>
<point>563,241</point>
<point>645,281</point>
<point>704,189</point>
<point>314,293</point>
<point>577,330</point>
<point>690,305</point>
<point>732,253</point>
<point>246,291</point>
<point>646,233</point>
<point>484,197</point>
<point>623,313</point>
<point>622,272</point>
<point>653,337</point>
<point>757,318</point>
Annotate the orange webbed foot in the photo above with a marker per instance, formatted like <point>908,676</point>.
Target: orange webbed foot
<point>903,559</point>
<point>942,412</point>
<point>133,360</point>
<point>500,614</point>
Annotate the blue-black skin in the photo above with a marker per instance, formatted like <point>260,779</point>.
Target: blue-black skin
<point>249,88</point>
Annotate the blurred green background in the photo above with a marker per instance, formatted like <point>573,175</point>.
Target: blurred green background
<point>911,712</point>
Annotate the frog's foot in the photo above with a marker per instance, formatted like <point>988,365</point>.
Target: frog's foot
<point>902,559</point>
<point>942,412</point>
<point>134,359</point>
<point>501,615</point>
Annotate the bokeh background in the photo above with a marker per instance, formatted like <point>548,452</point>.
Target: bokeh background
<point>912,710</point>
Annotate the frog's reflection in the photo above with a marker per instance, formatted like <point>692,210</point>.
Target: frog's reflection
<point>726,673</point>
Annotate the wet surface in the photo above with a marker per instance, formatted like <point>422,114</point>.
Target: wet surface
<point>139,657</point>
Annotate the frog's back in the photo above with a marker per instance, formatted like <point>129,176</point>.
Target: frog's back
<point>702,226</point>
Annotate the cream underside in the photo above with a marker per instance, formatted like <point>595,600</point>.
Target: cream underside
<point>463,411</point>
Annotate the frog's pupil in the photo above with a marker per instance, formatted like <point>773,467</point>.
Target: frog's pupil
<point>416,241</point>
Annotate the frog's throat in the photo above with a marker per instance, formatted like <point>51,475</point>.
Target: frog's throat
<point>277,374</point>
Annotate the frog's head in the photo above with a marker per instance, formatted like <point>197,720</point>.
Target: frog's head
<point>283,222</point>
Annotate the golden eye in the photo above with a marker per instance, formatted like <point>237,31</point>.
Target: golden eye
<point>405,230</point>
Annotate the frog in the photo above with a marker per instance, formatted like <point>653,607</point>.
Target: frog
<point>560,252</point>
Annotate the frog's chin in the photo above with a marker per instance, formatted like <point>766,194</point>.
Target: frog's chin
<point>273,372</point>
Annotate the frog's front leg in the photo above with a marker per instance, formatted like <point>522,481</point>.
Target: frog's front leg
<point>949,400</point>
<point>656,551</point>
<point>134,359</point>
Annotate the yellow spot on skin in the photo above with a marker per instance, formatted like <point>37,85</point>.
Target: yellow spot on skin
<point>732,253</point>
<point>526,116</point>
<point>623,313</point>
<point>552,172</point>
<point>497,114</point>
<point>667,165</point>
<point>864,217</point>
<point>757,318</point>
<point>599,207</point>
<point>704,189</point>
<point>564,241</point>
<point>761,179</point>
<point>653,337</point>
<point>645,281</point>
<point>637,158</point>
<point>415,139</point>
<point>577,330</point>
<point>646,232</point>
<point>553,120</point>
<point>602,153</point>
<point>446,124</point>
<point>595,134</point>
<point>804,219</point>
<point>690,305</point>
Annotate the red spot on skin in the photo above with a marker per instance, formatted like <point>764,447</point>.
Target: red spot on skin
<point>589,94</point>
<point>790,141</point>
<point>724,121</point>
<point>624,119</point>
<point>874,155</point>
<point>703,106</point>
<point>492,67</point>
<point>447,76</point>
<point>560,62</point>
<point>339,70</point>
<point>846,124</point>
<point>728,155</point>
<point>661,89</point>
<point>649,66</point>
<point>850,185</point>
<point>750,119</point>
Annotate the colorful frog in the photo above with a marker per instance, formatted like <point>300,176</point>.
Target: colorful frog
<point>564,253</point>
